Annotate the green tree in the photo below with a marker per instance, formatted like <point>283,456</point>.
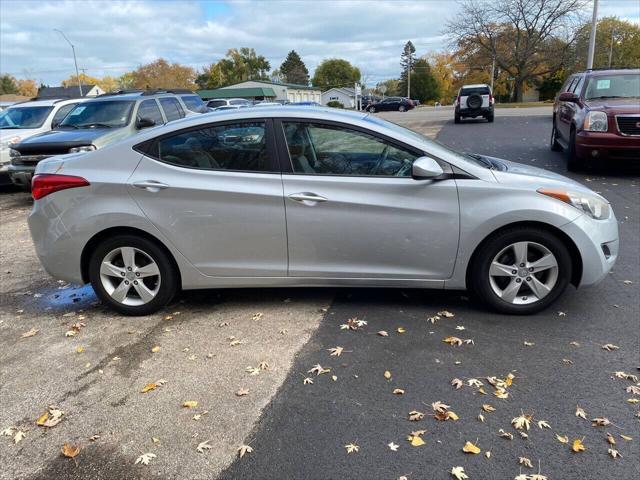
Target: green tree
<point>237,66</point>
<point>391,88</point>
<point>8,84</point>
<point>424,86</point>
<point>335,72</point>
<point>294,70</point>
<point>407,59</point>
<point>617,37</point>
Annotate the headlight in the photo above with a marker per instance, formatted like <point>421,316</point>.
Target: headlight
<point>13,153</point>
<point>590,203</point>
<point>596,122</point>
<point>8,143</point>
<point>84,148</point>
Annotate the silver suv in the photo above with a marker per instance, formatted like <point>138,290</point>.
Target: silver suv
<point>97,122</point>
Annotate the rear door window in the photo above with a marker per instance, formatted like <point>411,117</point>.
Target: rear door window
<point>194,103</point>
<point>465,92</point>
<point>172,108</point>
<point>216,103</point>
<point>149,109</point>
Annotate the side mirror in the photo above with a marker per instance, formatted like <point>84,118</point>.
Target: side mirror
<point>145,122</point>
<point>426,168</point>
<point>568,97</point>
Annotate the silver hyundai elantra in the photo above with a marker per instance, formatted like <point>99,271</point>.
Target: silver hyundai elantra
<point>288,196</point>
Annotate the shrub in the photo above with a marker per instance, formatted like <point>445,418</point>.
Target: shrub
<point>335,104</point>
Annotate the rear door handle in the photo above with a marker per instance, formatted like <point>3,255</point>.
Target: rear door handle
<point>151,185</point>
<point>305,197</point>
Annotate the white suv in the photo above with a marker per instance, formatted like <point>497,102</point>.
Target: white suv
<point>474,101</point>
<point>25,119</point>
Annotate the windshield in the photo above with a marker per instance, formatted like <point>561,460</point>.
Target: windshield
<point>613,86</point>
<point>475,159</point>
<point>107,114</point>
<point>24,117</point>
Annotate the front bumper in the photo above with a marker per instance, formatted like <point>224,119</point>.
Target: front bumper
<point>598,244</point>
<point>21,175</point>
<point>607,146</point>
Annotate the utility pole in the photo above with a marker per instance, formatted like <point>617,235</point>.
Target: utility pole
<point>592,37</point>
<point>73,49</point>
<point>493,70</point>
<point>409,77</point>
<point>611,47</point>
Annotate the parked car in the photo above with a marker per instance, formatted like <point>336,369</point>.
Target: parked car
<point>225,102</point>
<point>474,101</point>
<point>22,120</point>
<point>304,104</point>
<point>95,123</point>
<point>271,197</point>
<point>229,107</point>
<point>367,100</point>
<point>269,104</point>
<point>400,104</point>
<point>596,116</point>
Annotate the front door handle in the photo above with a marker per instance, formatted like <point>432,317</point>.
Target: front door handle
<point>151,185</point>
<point>307,198</point>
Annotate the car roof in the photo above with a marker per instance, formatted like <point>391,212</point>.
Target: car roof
<point>49,102</point>
<point>138,95</point>
<point>612,71</point>
<point>475,85</point>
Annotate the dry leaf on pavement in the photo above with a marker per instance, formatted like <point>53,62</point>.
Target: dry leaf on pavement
<point>352,448</point>
<point>470,448</point>
<point>70,451</point>
<point>578,446</point>
<point>190,404</point>
<point>243,450</point>
<point>525,461</point>
<point>458,473</point>
<point>335,351</point>
<point>145,458</point>
<point>580,412</point>
<point>30,333</point>
<point>202,446</point>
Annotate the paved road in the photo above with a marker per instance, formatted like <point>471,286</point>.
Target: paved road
<point>304,430</point>
<point>440,114</point>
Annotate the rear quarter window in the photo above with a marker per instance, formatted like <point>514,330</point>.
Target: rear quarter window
<point>194,103</point>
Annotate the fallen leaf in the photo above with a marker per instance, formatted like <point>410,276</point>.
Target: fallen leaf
<point>481,417</point>
<point>488,408</point>
<point>242,392</point>
<point>458,473</point>
<point>521,422</point>
<point>202,446</point>
<point>319,369</point>
<point>446,314</point>
<point>580,412</point>
<point>633,390</point>
<point>335,351</point>
<point>383,333</point>
<point>257,316</point>
<point>470,448</point>
<point>439,407</point>
<point>610,439</point>
<point>352,448</point>
<point>79,349</point>
<point>155,349</point>
<point>9,431</point>
<point>398,391</point>
<point>525,461</point>
<point>433,319</point>
<point>456,382</point>
<point>600,422</point>
<point>562,439</point>
<point>190,404</point>
<point>401,330</point>
<point>504,434</point>
<point>149,387</point>
<point>455,341</point>
<point>263,365</point>
<point>578,446</point>
<point>145,458</point>
<point>415,416</point>
<point>70,451</point>
<point>387,374</point>
<point>609,347</point>
<point>415,438</point>
<point>543,424</point>
<point>487,454</point>
<point>244,449</point>
<point>19,436</point>
<point>393,447</point>
<point>614,453</point>
<point>626,437</point>
<point>307,381</point>
<point>474,382</point>
<point>528,344</point>
<point>30,333</point>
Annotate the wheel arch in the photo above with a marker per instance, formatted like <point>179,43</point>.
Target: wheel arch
<point>576,258</point>
<point>110,232</point>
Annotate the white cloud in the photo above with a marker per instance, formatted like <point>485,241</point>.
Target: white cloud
<point>116,36</point>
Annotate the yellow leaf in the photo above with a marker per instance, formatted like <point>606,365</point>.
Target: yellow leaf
<point>626,437</point>
<point>401,330</point>
<point>155,349</point>
<point>470,448</point>
<point>562,439</point>
<point>148,387</point>
<point>79,349</point>
<point>190,404</point>
<point>43,418</point>
<point>416,441</point>
<point>452,415</point>
<point>578,446</point>
<point>387,374</point>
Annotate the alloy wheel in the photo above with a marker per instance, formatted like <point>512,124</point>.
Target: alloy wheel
<point>523,273</point>
<point>130,276</point>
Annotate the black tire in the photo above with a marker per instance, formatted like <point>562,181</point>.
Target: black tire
<point>474,101</point>
<point>372,109</point>
<point>554,145</point>
<point>490,118</point>
<point>456,118</point>
<point>479,270</point>
<point>402,108</point>
<point>573,162</point>
<point>168,275</point>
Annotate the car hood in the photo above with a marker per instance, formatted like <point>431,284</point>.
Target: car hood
<point>506,171</point>
<point>60,141</point>
<point>615,105</point>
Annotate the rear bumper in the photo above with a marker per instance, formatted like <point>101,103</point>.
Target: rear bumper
<point>607,146</point>
<point>598,244</point>
<point>477,112</point>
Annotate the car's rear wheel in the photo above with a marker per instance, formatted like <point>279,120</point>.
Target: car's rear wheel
<point>456,118</point>
<point>372,109</point>
<point>555,146</point>
<point>132,275</point>
<point>573,162</point>
<point>490,118</point>
<point>521,270</point>
<point>402,108</point>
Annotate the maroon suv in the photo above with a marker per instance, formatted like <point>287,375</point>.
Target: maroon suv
<point>596,115</point>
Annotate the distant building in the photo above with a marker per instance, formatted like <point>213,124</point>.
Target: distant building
<point>70,92</point>
<point>345,95</point>
<point>263,90</point>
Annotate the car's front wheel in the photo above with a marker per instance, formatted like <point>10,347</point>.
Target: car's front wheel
<point>456,117</point>
<point>402,108</point>
<point>372,109</point>
<point>573,162</point>
<point>132,275</point>
<point>521,270</point>
<point>555,146</point>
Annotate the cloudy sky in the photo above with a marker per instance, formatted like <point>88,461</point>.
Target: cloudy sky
<point>112,37</point>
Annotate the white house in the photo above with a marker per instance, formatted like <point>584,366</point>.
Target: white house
<point>345,95</point>
<point>284,91</point>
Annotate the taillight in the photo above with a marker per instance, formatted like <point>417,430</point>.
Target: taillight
<point>490,99</point>
<point>45,183</point>
<point>458,100</point>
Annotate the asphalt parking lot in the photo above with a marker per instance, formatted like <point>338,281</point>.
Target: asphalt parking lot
<point>298,429</point>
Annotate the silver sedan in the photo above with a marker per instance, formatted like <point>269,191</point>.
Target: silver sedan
<point>276,197</point>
